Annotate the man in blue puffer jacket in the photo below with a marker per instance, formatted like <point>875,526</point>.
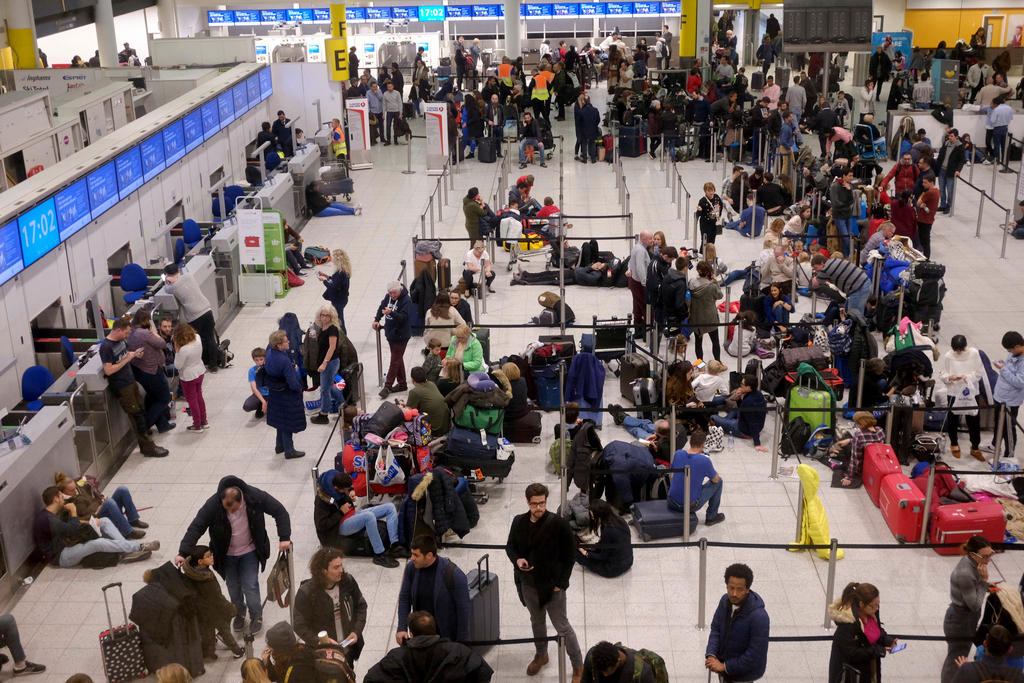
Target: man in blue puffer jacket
<point>738,642</point>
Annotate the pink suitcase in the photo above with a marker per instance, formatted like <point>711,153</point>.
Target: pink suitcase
<point>957,523</point>
<point>879,462</point>
<point>902,505</point>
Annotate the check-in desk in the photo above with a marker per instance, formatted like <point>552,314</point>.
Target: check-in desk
<point>304,168</point>
<point>46,445</point>
<point>224,245</point>
<point>200,264</point>
<point>50,352</point>
<point>277,194</point>
<point>121,307</point>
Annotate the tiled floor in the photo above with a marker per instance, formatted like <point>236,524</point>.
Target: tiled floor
<point>655,604</point>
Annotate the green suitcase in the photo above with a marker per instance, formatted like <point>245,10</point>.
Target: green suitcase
<point>809,403</point>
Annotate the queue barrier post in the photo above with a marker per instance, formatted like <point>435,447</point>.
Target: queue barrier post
<point>1006,232</point>
<point>1000,429</point>
<point>995,167</point>
<point>776,443</point>
<point>860,381</point>
<point>476,304</point>
<point>899,310</point>
<point>702,584</point>
<point>423,226</point>
<point>380,362</point>
<point>561,660</point>
<point>888,427</point>
<point>430,210</point>
<point>408,160</point>
<point>830,585</point>
<point>672,430</point>
<point>563,483</point>
<point>799,511</point>
<point>362,393</point>
<point>688,215</point>
<point>739,344</point>
<point>686,504</point>
<point>929,492</point>
<point>483,287</point>
<point>981,213</point>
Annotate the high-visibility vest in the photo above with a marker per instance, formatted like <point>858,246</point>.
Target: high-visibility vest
<point>540,86</point>
<point>339,146</point>
<point>505,74</point>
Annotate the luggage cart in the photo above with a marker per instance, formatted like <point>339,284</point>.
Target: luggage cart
<point>335,179</point>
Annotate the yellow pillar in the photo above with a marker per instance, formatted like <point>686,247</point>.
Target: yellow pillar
<point>21,33</point>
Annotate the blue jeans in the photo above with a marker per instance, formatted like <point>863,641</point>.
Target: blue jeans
<point>110,541</point>
<point>730,424</point>
<point>330,396</point>
<point>710,495</point>
<point>242,575</point>
<point>947,185</point>
<point>537,145</point>
<point>158,397</point>
<point>9,635</point>
<point>735,275</point>
<point>858,299</point>
<point>284,441</point>
<point>367,519</point>
<point>638,428</point>
<point>112,508</point>
<point>998,142</point>
<point>846,227</point>
<point>336,209</point>
<point>670,148</point>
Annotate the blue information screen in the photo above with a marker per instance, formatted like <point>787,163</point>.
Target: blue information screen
<point>152,150</point>
<point>211,120</point>
<point>643,8</point>
<point>271,16</point>
<point>37,228</point>
<point>487,11</point>
<point>532,10</point>
<point>378,13</point>
<point>671,8</point>
<point>266,84</point>
<point>261,49</point>
<point>323,16</point>
<point>562,9</point>
<point>10,252</point>
<point>220,17</point>
<point>354,14</point>
<point>432,13</point>
<point>593,9</point>
<point>455,12</point>
<point>72,206</point>
<point>303,14</point>
<point>247,16</point>
<point>252,90</point>
<point>410,13</point>
<point>619,8</point>
<point>225,108</point>
<point>241,100</point>
<point>102,189</point>
<point>129,172</point>
<point>174,143</point>
<point>193,129</point>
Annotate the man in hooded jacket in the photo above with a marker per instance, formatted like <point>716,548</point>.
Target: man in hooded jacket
<point>428,657</point>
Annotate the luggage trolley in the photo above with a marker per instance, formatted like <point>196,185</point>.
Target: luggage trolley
<point>531,244</point>
<point>335,179</point>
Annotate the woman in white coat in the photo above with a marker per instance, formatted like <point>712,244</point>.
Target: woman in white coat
<point>963,377</point>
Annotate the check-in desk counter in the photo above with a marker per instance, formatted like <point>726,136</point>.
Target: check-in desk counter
<point>25,471</point>
<point>117,293</point>
<point>304,168</point>
<point>277,194</point>
<point>49,349</point>
<point>224,244</point>
<point>201,265</point>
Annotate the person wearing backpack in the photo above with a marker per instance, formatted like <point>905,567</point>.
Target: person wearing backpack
<point>330,600</point>
<point>607,663</point>
<point>992,667</point>
<point>435,585</point>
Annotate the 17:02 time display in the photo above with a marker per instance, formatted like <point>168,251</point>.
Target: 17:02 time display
<point>38,231</point>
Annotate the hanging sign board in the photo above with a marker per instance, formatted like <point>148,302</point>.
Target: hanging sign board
<point>436,114</point>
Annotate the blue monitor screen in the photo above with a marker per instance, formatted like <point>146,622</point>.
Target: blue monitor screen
<point>102,189</point>
<point>593,9</point>
<point>353,14</point>
<point>72,206</point>
<point>152,150</point>
<point>431,13</point>
<point>619,8</point>
<point>261,49</point>
<point>455,12</point>
<point>10,252</point>
<point>241,99</point>
<point>38,231</point>
<point>323,16</point>
<point>211,120</point>
<point>247,16</point>
<point>487,11</point>
<point>252,90</point>
<point>410,13</point>
<point>129,172</point>
<point>646,8</point>
<point>671,8</point>
<point>531,10</point>
<point>266,84</point>
<point>271,16</point>
<point>378,13</point>
<point>220,17</point>
<point>193,129</point>
<point>561,9</point>
<point>225,108</point>
<point>304,14</point>
<point>174,143</point>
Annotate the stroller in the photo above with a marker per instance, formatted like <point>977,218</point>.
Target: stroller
<point>870,141</point>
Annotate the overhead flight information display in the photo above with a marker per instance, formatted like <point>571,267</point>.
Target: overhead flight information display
<point>303,14</point>
<point>193,124</point>
<point>272,16</point>
<point>129,172</point>
<point>37,229</point>
<point>534,11</point>
<point>225,108</point>
<point>252,90</point>
<point>562,9</point>
<point>152,150</point>
<point>211,121</point>
<point>266,83</point>
<point>241,99</point>
<point>247,16</point>
<point>378,13</point>
<point>593,9</point>
<point>174,142</point>
<point>220,17</point>
<point>453,12</point>
<point>322,16</point>
<point>10,252</point>
<point>102,189</point>
<point>72,207</point>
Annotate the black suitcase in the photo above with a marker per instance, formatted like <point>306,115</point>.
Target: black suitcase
<point>408,110</point>
<point>756,80</point>
<point>483,335</point>
<point>486,152</point>
<point>524,430</point>
<point>653,520</point>
<point>633,366</point>
<point>484,602</point>
<point>631,142</point>
<point>646,393</point>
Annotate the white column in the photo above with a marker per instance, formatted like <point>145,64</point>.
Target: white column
<point>166,12</point>
<point>106,41</point>
<point>512,29</point>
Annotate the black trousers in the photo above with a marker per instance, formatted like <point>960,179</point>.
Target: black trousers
<point>471,279</point>
<point>207,331</point>
<point>716,346</point>
<point>924,236</point>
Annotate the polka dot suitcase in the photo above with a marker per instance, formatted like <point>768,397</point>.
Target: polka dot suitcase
<point>121,646</point>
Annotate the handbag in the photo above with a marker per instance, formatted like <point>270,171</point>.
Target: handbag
<point>715,442</point>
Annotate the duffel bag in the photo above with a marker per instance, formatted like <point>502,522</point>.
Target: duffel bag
<point>812,355</point>
<point>929,270</point>
<point>488,419</point>
<point>387,417</point>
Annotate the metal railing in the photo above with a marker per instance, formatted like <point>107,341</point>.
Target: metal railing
<point>439,198</point>
<point>679,189</point>
<point>1007,227</point>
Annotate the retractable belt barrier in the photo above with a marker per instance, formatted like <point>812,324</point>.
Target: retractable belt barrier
<point>439,196</point>
<point>1007,227</point>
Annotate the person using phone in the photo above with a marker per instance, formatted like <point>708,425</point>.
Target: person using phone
<point>968,586</point>
<point>859,642</point>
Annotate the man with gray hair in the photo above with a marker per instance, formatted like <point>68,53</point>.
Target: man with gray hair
<point>636,273</point>
<point>884,233</point>
<point>394,315</point>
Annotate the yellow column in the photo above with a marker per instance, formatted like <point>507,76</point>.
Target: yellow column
<point>21,33</point>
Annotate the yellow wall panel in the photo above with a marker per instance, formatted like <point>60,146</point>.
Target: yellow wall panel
<point>933,25</point>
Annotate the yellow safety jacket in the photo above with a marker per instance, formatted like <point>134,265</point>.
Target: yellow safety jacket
<point>541,86</point>
<point>505,74</point>
<point>339,146</point>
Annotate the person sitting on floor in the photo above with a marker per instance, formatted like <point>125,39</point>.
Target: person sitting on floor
<point>701,492</point>
<point>335,515</point>
<point>322,207</point>
<point>119,508</point>
<point>613,554</point>
<point>747,420</point>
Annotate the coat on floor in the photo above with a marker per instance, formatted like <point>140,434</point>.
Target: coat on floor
<point>431,659</point>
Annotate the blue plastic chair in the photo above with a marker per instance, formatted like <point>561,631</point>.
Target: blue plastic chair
<point>134,282</point>
<point>191,233</point>
<point>232,193</point>
<point>179,250</point>
<point>67,352</point>
<point>34,382</point>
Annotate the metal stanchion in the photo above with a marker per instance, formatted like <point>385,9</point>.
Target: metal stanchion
<point>998,444</point>
<point>830,585</point>
<point>799,511</point>
<point>561,274</point>
<point>380,362</point>
<point>714,147</point>
<point>739,344</point>
<point>443,192</point>
<point>686,503</point>
<point>290,554</point>
<point>1006,231</point>
<point>981,213</point>
<point>562,434</point>
<point>728,298</point>
<point>929,492</point>
<point>664,384</point>
<point>476,305</point>
<point>423,226</point>
<point>860,383</point>
<point>408,159</point>
<point>672,431</point>
<point>430,210</point>
<point>483,287</point>
<point>888,426</point>
<point>650,329</point>
<point>663,164</point>
<point>702,584</point>
<point>899,310</point>
<point>688,214</point>
<point>561,660</point>
<point>995,169</point>
<point>776,443</point>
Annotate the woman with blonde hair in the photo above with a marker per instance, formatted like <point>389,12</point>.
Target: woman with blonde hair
<point>328,359</point>
<point>188,357</point>
<point>336,285</point>
<point>465,354</point>
<point>253,671</point>
<point>441,319</point>
<point>173,673</point>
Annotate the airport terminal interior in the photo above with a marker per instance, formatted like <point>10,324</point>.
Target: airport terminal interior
<point>77,216</point>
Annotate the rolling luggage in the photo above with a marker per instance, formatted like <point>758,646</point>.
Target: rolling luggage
<point>811,404</point>
<point>484,602</point>
<point>879,462</point>
<point>756,81</point>
<point>469,443</point>
<point>444,274</point>
<point>524,430</point>
<point>830,375</point>
<point>631,142</point>
<point>957,523</point>
<point>653,520</point>
<point>549,396</point>
<point>633,366</point>
<point>483,335</point>
<point>645,393</point>
<point>121,647</point>
<point>409,110</point>
<point>477,419</point>
<point>486,151</point>
<point>902,505</point>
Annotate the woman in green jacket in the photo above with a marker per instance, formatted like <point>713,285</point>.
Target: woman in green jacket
<point>465,354</point>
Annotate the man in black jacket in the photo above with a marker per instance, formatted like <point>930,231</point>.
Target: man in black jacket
<point>328,598</point>
<point>949,164</point>
<point>529,134</point>
<point>282,133</point>
<point>656,272</point>
<point>590,130</point>
<point>824,121</point>
<point>235,519</point>
<point>542,548</point>
<point>427,656</point>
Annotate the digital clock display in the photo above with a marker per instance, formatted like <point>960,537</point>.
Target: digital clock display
<point>37,229</point>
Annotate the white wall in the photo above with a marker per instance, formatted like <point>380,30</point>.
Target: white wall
<point>131,27</point>
<point>894,12</point>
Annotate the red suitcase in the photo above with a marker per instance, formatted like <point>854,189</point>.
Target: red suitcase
<point>902,505</point>
<point>879,462</point>
<point>957,523</point>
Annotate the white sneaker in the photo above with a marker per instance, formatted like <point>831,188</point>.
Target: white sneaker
<point>986,162</point>
<point>359,210</point>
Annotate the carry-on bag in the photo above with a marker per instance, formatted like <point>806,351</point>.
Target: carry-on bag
<point>469,443</point>
<point>444,274</point>
<point>524,430</point>
<point>879,462</point>
<point>484,602</point>
<point>957,523</point>
<point>121,647</point>
<point>645,393</point>
<point>486,150</point>
<point>633,366</point>
<point>631,142</point>
<point>902,505</point>
<point>653,520</point>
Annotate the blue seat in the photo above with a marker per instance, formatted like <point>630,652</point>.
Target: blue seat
<point>191,233</point>
<point>34,382</point>
<point>67,352</point>
<point>134,282</point>
<point>179,250</point>
<point>231,195</point>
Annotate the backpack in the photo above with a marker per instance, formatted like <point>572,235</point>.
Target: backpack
<point>555,453</point>
<point>657,664</point>
<point>279,582</point>
<point>331,666</point>
<point>317,254</point>
<point>795,437</point>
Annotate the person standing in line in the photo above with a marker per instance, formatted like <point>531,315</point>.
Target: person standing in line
<point>859,642</point>
<point>968,586</point>
<point>542,548</point>
<point>330,600</point>
<point>188,352</point>
<point>1009,389</point>
<point>394,311</point>
<point>636,273</point>
<point>149,369</point>
<point>993,665</point>
<point>336,285</point>
<point>328,364</point>
<point>284,404</point>
<point>235,516</point>
<point>927,207</point>
<point>196,308</point>
<point>704,293</point>
<point>436,585</point>
<point>738,643</point>
<point>392,100</point>
<point>958,368</point>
